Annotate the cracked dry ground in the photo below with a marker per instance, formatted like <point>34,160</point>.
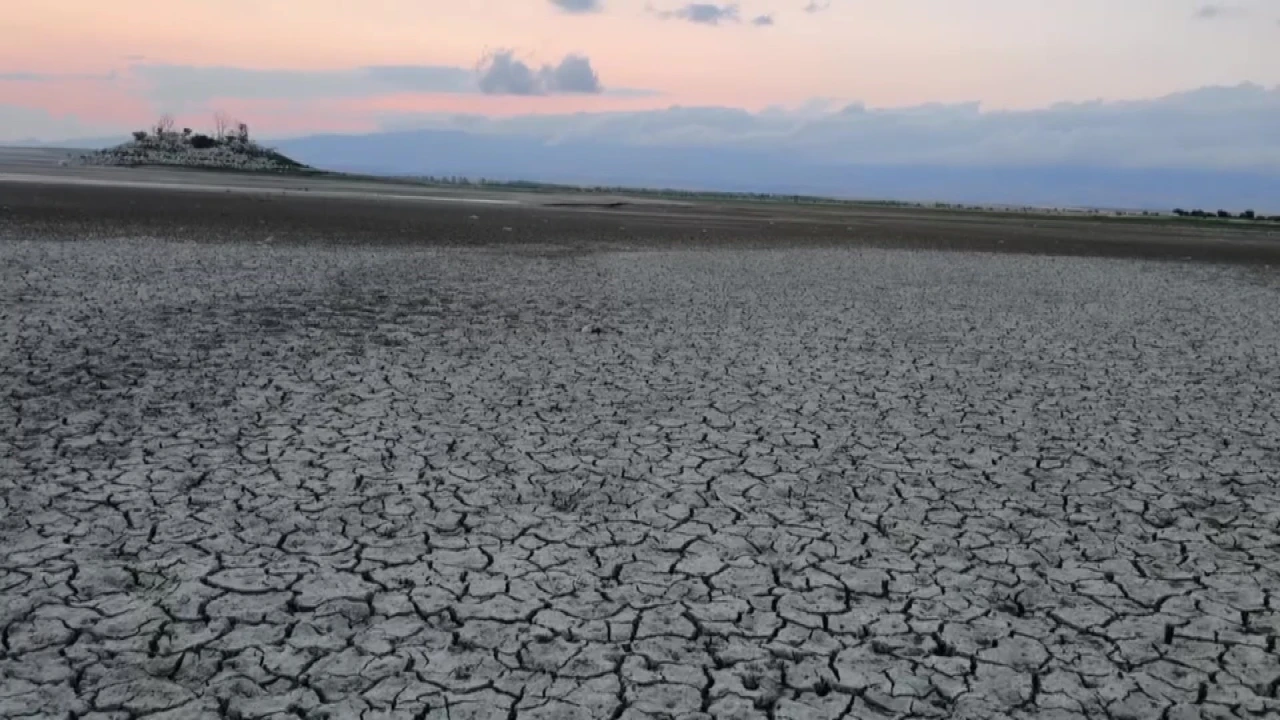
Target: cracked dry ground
<point>243,481</point>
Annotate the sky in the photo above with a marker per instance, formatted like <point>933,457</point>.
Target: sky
<point>72,68</point>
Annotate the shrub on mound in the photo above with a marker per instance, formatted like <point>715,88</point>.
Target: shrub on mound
<point>164,146</point>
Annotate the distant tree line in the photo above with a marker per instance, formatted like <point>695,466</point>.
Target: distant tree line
<point>534,186</point>
<point>1225,215</point>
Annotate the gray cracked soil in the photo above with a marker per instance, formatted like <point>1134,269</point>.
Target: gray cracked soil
<point>248,481</point>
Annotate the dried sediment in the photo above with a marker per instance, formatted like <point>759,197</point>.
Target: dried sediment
<point>244,480</point>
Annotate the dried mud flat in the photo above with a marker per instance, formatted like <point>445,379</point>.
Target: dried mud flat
<point>289,479</point>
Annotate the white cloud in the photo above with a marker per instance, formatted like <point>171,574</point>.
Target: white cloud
<point>574,74</point>
<point>579,6</point>
<point>502,73</point>
<point>704,13</point>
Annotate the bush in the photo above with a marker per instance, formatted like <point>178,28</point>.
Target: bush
<point>201,141</point>
<point>139,135</point>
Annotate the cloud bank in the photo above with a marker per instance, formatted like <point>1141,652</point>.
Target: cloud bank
<point>1216,146</point>
<point>1236,127</point>
<point>1218,127</point>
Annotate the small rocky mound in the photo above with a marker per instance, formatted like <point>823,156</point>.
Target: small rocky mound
<point>185,149</point>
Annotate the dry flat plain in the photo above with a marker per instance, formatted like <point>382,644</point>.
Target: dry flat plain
<point>266,454</point>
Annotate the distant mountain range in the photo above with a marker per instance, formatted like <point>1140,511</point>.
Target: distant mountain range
<point>592,162</point>
<point>514,157</point>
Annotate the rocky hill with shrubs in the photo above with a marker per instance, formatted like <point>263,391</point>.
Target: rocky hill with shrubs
<point>226,149</point>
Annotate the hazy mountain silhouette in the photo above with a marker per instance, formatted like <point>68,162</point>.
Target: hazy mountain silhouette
<point>510,157</point>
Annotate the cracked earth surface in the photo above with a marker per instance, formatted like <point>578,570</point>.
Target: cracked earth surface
<point>241,481</point>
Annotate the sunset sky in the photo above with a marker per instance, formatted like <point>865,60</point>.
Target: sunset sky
<point>71,67</point>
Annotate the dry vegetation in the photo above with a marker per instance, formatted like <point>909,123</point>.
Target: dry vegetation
<point>229,147</point>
